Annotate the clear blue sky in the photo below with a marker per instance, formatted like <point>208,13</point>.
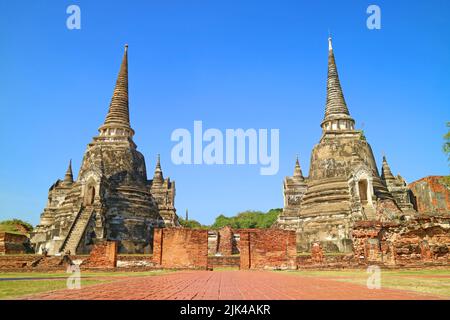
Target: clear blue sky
<point>231,64</point>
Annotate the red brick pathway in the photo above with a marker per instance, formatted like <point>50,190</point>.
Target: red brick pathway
<point>215,285</point>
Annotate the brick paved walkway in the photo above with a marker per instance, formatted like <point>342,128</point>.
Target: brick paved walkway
<point>215,285</point>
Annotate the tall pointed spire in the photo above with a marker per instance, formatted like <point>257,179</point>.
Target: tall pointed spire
<point>386,173</point>
<point>68,178</point>
<point>118,116</point>
<point>158,178</point>
<point>297,170</point>
<point>336,108</point>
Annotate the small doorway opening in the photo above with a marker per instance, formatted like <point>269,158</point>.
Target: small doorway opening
<point>362,185</point>
<point>90,196</point>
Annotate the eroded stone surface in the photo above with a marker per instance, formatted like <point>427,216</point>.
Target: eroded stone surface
<point>111,199</point>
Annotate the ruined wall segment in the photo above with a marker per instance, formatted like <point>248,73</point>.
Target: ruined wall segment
<point>416,242</point>
<point>431,195</point>
<point>180,248</point>
<point>267,249</point>
<point>103,255</point>
<point>11,243</point>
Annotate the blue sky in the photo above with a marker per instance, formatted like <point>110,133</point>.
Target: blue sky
<point>231,64</point>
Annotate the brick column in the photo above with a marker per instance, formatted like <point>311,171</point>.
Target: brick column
<point>157,245</point>
<point>244,247</point>
<point>111,252</point>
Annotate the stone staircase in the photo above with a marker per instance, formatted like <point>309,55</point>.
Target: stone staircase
<point>77,230</point>
<point>369,212</point>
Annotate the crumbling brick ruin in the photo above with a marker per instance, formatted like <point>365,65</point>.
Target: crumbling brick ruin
<point>103,255</point>
<point>344,213</point>
<point>180,248</point>
<point>11,243</point>
<point>417,242</point>
<point>267,249</point>
<point>223,242</point>
<point>111,199</point>
<point>344,185</point>
<point>431,195</point>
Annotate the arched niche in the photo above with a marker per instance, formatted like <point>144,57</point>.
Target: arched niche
<point>362,179</point>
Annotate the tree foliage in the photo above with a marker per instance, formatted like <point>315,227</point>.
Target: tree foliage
<point>446,149</point>
<point>446,146</point>
<point>12,223</point>
<point>191,224</point>
<point>243,220</point>
<point>248,219</point>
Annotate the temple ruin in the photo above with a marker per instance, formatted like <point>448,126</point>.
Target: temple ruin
<point>344,185</point>
<point>111,199</point>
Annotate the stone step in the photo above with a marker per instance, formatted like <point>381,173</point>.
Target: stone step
<point>77,231</point>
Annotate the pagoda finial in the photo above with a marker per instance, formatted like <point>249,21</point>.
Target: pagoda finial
<point>118,116</point>
<point>158,176</point>
<point>386,173</point>
<point>336,107</point>
<point>68,178</point>
<point>297,170</point>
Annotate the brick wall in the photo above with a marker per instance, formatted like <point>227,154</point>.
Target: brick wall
<point>267,249</point>
<point>103,255</point>
<point>13,262</point>
<point>233,261</point>
<point>11,243</point>
<point>180,248</point>
<point>424,240</point>
<point>226,241</point>
<point>430,194</point>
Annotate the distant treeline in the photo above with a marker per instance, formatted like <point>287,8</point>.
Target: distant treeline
<point>246,219</point>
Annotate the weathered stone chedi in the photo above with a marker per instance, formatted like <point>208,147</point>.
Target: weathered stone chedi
<point>343,185</point>
<point>111,199</point>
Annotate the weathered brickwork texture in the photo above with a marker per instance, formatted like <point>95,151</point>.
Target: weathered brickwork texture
<point>222,242</point>
<point>11,243</point>
<point>180,248</point>
<point>420,241</point>
<point>431,194</point>
<point>233,261</point>
<point>103,255</point>
<point>267,249</point>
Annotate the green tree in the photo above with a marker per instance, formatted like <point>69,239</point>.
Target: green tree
<point>248,219</point>
<point>446,149</point>
<point>194,224</point>
<point>446,146</point>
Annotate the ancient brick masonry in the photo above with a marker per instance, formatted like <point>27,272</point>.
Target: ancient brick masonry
<point>180,248</point>
<point>431,194</point>
<point>222,242</point>
<point>317,253</point>
<point>267,249</point>
<point>11,243</point>
<point>103,255</point>
<point>419,241</point>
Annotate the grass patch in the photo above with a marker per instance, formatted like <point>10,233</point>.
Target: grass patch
<point>15,289</point>
<point>430,281</point>
<point>58,280</point>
